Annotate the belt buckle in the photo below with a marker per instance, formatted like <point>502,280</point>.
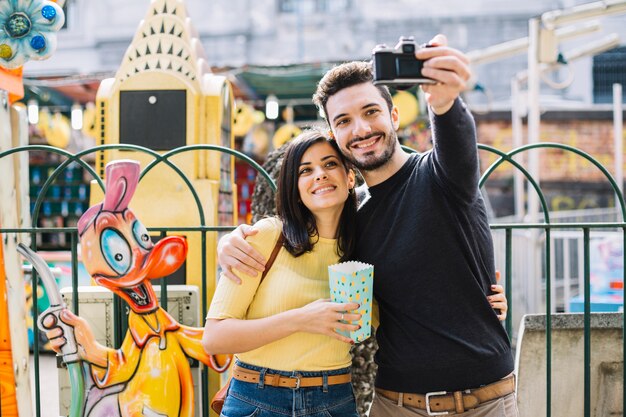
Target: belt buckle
<point>428,410</point>
<point>297,377</point>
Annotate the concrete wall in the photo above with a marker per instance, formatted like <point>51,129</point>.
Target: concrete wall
<point>607,365</point>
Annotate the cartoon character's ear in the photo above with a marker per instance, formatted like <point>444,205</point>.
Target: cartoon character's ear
<point>121,181</point>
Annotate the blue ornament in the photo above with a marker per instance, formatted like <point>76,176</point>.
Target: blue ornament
<point>28,30</point>
<point>38,42</point>
<point>48,12</point>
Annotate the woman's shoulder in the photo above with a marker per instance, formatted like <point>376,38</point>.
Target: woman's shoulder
<point>269,224</point>
<point>268,229</point>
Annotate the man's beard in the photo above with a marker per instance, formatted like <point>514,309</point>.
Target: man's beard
<point>372,162</point>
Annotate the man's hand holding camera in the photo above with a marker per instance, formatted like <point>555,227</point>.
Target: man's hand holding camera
<point>449,67</point>
<point>441,71</point>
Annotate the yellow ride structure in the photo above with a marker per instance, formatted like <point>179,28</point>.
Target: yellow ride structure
<point>164,96</point>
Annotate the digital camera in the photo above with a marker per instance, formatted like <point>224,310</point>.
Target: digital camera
<point>398,66</point>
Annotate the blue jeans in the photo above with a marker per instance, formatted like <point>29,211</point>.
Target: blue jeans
<point>247,399</point>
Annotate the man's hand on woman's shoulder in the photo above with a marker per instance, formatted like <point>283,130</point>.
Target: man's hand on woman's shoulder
<point>233,252</point>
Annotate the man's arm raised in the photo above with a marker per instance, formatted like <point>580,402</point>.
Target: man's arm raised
<point>449,67</point>
<point>234,252</point>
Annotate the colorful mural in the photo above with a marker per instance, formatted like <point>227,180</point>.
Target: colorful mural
<point>150,373</point>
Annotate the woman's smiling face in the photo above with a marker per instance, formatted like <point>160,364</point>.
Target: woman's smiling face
<point>323,181</point>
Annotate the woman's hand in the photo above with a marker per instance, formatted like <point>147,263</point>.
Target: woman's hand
<point>498,300</point>
<point>325,317</point>
<point>320,317</point>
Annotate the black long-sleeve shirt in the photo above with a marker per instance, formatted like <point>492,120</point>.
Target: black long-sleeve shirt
<point>426,232</point>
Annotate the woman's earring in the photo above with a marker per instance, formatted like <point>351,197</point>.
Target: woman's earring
<point>331,135</point>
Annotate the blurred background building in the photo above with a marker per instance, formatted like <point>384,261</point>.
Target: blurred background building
<point>277,50</point>
<point>239,33</point>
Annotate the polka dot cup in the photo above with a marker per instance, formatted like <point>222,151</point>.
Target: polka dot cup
<point>352,282</point>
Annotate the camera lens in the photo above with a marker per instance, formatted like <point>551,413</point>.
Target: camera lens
<point>408,67</point>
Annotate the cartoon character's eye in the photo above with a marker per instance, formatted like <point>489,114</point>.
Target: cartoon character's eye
<point>116,250</point>
<point>141,235</point>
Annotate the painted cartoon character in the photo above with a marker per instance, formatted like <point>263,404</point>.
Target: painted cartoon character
<point>150,374</point>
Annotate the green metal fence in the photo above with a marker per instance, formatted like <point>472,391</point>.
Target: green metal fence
<point>203,228</point>
<point>546,227</point>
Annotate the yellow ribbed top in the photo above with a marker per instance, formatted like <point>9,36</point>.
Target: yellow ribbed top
<point>290,283</point>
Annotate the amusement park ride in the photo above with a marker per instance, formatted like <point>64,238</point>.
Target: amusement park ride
<point>162,97</point>
<point>150,373</point>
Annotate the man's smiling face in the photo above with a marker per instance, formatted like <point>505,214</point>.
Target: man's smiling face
<point>363,126</point>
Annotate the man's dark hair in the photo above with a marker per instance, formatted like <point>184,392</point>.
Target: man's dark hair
<point>344,76</point>
<point>299,227</point>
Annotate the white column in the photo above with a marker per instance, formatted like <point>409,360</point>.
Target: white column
<point>535,244</point>
<point>517,136</point>
<point>533,113</point>
<point>618,136</point>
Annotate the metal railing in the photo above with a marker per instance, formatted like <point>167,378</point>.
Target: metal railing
<point>202,228</point>
<point>547,228</point>
<point>508,235</point>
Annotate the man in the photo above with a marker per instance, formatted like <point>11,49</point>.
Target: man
<point>424,228</point>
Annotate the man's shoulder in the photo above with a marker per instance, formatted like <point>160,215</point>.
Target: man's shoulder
<point>415,165</point>
<point>411,169</point>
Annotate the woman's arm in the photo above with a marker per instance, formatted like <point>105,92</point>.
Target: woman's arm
<point>499,302</point>
<point>498,299</point>
<point>237,336</point>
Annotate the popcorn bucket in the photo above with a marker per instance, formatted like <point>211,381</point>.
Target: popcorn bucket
<point>352,282</point>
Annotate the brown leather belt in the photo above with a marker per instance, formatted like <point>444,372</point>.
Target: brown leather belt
<point>443,402</point>
<point>294,382</point>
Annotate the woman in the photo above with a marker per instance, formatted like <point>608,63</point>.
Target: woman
<point>285,325</point>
